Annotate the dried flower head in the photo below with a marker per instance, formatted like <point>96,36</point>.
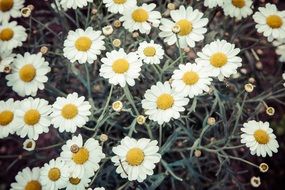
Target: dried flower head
<point>171,6</point>
<point>255,181</point>
<point>140,119</point>
<point>248,87</point>
<point>26,12</point>
<point>117,42</point>
<point>197,153</point>
<point>263,167</point>
<point>117,23</point>
<point>117,106</point>
<point>44,50</point>
<point>29,145</point>
<point>270,111</point>
<point>103,137</point>
<point>176,29</point>
<point>211,121</point>
<point>107,30</point>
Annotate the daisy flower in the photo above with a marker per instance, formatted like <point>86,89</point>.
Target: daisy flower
<point>29,145</point>
<point>70,112</point>
<point>150,53</point>
<point>141,18</point>
<point>81,158</point>
<point>7,117</point>
<point>220,57</point>
<point>259,138</point>
<point>119,6</point>
<point>12,35</point>
<point>191,79</point>
<point>77,183</point>
<point>280,49</point>
<point>270,22</point>
<point>74,4</point>
<point>54,175</point>
<point>6,58</point>
<point>83,45</point>
<point>28,74</point>
<point>27,179</point>
<point>32,118</point>
<point>191,27</point>
<point>121,68</point>
<point>135,159</point>
<point>213,3</point>
<point>10,8</point>
<point>237,8</point>
<point>162,103</point>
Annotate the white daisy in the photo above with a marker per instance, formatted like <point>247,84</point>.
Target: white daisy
<point>28,74</point>
<point>32,118</point>
<point>259,138</point>
<point>213,3</point>
<point>280,49</point>
<point>6,58</point>
<point>76,183</point>
<point>162,103</point>
<point>70,112</point>
<point>141,18</point>
<point>270,22</point>
<point>237,8</point>
<point>191,27</point>
<point>27,179</point>
<point>29,145</point>
<point>54,175</point>
<point>135,159</point>
<point>10,8</point>
<point>220,57</point>
<point>74,4</point>
<point>191,79</point>
<point>81,158</point>
<point>7,117</point>
<point>12,35</point>
<point>121,68</point>
<point>83,45</point>
<point>150,53</point>
<point>119,6</point>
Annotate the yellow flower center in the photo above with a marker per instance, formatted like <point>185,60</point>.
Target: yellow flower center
<point>149,51</point>
<point>135,156</point>
<point>190,78</point>
<point>218,59</point>
<point>261,136</point>
<point>54,174</point>
<point>32,117</point>
<point>274,21</point>
<point>81,156</point>
<point>6,5</point>
<point>33,185</point>
<point>27,73</point>
<point>238,3</point>
<point>83,44</point>
<point>6,34</point>
<point>140,15</point>
<point>185,27</point>
<point>119,1</point>
<point>164,101</point>
<point>120,66</point>
<point>74,181</point>
<point>69,111</point>
<point>29,144</point>
<point>6,117</point>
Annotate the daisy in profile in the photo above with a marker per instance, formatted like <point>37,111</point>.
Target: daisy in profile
<point>12,35</point>
<point>213,3</point>
<point>237,8</point>
<point>74,4</point>
<point>259,138</point>
<point>83,45</point>
<point>10,8</point>
<point>270,22</point>
<point>28,74</point>
<point>7,117</point>
<point>119,6</point>
<point>81,158</point>
<point>77,183</point>
<point>280,49</point>
<point>32,118</point>
<point>6,58</point>
<point>70,112</point>
<point>27,179</point>
<point>220,57</point>
<point>162,103</point>
<point>121,68</point>
<point>191,79</point>
<point>54,175</point>
<point>141,18</point>
<point>150,53</point>
<point>190,25</point>
<point>136,159</point>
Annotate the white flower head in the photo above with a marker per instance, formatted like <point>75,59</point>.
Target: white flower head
<point>27,179</point>
<point>10,8</point>
<point>150,53</point>
<point>74,4</point>
<point>6,58</point>
<point>280,49</point>
<point>213,3</point>
<point>119,6</point>
<point>238,8</point>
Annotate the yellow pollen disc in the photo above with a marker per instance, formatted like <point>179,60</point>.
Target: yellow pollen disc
<point>69,111</point>
<point>140,15</point>
<point>33,185</point>
<point>6,34</point>
<point>185,27</point>
<point>135,156</point>
<point>74,181</point>
<point>81,156</point>
<point>119,1</point>
<point>6,5</point>
<point>83,44</point>
<point>149,51</point>
<point>238,3</point>
<point>54,174</point>
<point>261,136</point>
<point>32,117</point>
<point>27,73</point>
<point>120,66</point>
<point>164,101</point>
<point>190,78</point>
<point>218,59</point>
<point>6,117</point>
<point>274,21</point>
